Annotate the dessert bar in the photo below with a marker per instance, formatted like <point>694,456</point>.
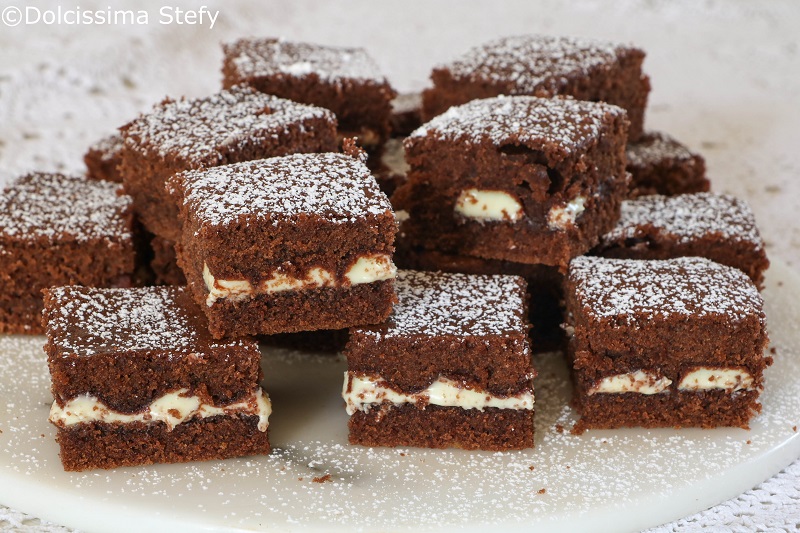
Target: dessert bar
<point>345,80</point>
<point>137,379</point>
<point>451,367</point>
<point>231,126</point>
<point>661,165</point>
<point>661,343</point>
<point>544,66</point>
<point>286,244</point>
<point>719,227</point>
<point>60,230</point>
<point>522,179</point>
<point>103,159</point>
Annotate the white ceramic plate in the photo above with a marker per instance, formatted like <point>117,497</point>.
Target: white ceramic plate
<point>601,480</point>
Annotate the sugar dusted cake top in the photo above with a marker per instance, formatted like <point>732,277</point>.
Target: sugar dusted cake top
<point>632,290</point>
<point>688,217</point>
<point>563,124</point>
<point>436,303</point>
<point>528,64</point>
<point>90,321</point>
<point>204,129</point>
<point>270,57</point>
<point>56,206</point>
<point>654,147</point>
<point>336,187</point>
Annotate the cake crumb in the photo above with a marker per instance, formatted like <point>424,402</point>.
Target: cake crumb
<point>531,467</point>
<point>322,479</point>
<point>299,479</point>
<point>541,491</point>
<point>749,441</point>
<point>559,428</point>
<point>773,351</point>
<point>794,428</point>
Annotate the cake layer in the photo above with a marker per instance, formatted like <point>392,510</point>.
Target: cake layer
<point>93,445</point>
<point>464,327</point>
<point>302,310</point>
<point>706,409</point>
<point>443,427</point>
<point>103,157</point>
<point>544,286</point>
<point>128,347</point>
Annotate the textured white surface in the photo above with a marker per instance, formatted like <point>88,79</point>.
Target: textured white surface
<point>724,73</point>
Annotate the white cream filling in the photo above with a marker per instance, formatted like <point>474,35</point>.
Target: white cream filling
<point>173,408</point>
<point>362,392</point>
<point>488,205</point>
<point>366,269</point>
<point>707,378</point>
<point>641,382</point>
<point>564,216</point>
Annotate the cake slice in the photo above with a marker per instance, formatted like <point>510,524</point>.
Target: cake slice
<point>102,159</point>
<point>659,164</point>
<point>523,179</point>
<point>137,379</point>
<point>451,367</point>
<point>345,80</point>
<point>663,343</point>
<point>719,227</point>
<point>540,65</point>
<point>61,230</point>
<point>287,244</point>
<point>239,124</point>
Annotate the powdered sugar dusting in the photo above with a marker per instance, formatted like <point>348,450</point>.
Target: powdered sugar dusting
<point>533,64</point>
<point>436,303</point>
<point>654,147</point>
<point>108,147</point>
<point>202,130</point>
<point>336,187</point>
<point>686,218</point>
<point>270,57</point>
<point>568,125</point>
<point>632,290</point>
<point>85,321</point>
<point>56,207</point>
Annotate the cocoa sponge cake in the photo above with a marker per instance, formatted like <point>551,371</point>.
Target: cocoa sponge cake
<point>523,179</point>
<point>287,244</point>
<point>543,65</point>
<point>60,230</point>
<point>661,343</point>
<point>451,367</point>
<point>137,379</point>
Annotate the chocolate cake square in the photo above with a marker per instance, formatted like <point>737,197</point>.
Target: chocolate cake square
<point>451,367</point>
<point>544,283</point>
<point>664,343</point>
<point>719,227</point>
<point>60,230</point>
<point>103,159</point>
<point>522,179</point>
<point>295,243</point>
<point>231,126</point>
<point>345,80</point>
<point>659,164</point>
<point>137,379</point>
<point>546,66</point>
